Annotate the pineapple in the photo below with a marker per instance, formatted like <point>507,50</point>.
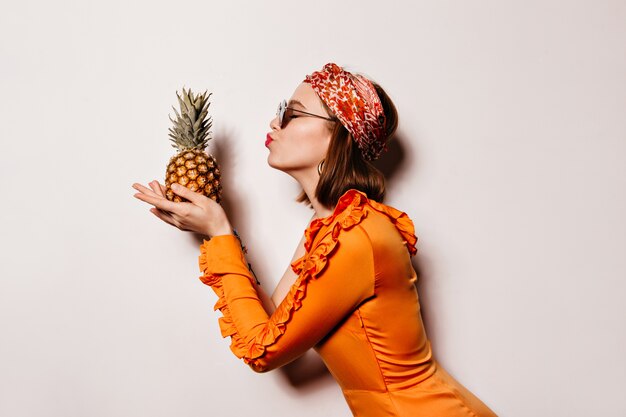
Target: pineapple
<point>192,167</point>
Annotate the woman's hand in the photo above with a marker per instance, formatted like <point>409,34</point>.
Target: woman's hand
<point>201,214</point>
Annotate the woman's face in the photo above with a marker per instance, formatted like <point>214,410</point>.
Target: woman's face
<point>301,143</point>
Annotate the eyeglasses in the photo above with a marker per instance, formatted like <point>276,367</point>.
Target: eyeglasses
<point>282,108</point>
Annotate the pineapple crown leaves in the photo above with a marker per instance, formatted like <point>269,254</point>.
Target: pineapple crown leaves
<point>191,127</point>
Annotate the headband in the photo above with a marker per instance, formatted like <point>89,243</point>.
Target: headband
<point>356,104</point>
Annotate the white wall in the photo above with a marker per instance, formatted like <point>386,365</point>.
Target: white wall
<point>512,144</point>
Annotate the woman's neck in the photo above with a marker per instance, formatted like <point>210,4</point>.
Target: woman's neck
<point>309,184</point>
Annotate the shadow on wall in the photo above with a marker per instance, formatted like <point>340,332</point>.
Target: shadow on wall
<point>307,373</point>
<point>221,147</point>
<point>390,162</point>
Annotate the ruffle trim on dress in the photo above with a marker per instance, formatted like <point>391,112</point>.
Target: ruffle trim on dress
<point>227,326</point>
<point>348,213</point>
<point>251,349</point>
<point>402,222</point>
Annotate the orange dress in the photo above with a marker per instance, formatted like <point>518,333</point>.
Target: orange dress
<point>354,302</point>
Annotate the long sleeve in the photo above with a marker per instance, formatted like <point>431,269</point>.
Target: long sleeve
<point>334,277</point>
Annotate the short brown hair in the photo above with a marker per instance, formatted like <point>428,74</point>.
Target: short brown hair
<point>345,168</point>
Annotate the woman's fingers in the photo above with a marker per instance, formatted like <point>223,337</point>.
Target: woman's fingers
<point>192,196</point>
<point>163,215</point>
<point>147,195</point>
<point>200,214</point>
<point>144,190</point>
<point>162,187</point>
<point>156,187</point>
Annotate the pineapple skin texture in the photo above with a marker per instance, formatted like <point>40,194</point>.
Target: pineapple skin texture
<point>196,170</point>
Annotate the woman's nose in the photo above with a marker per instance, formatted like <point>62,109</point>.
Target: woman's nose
<point>274,123</point>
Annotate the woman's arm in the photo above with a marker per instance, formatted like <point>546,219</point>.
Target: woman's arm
<point>289,277</point>
<point>266,300</point>
<point>338,275</point>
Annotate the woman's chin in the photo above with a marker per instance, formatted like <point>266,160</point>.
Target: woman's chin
<point>274,164</point>
<point>271,162</point>
<point>288,167</point>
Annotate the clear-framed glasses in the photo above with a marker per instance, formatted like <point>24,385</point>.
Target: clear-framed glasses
<point>282,108</point>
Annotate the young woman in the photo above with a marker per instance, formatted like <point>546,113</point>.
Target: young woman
<point>349,292</point>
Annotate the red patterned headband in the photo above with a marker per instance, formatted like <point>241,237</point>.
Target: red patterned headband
<point>356,104</point>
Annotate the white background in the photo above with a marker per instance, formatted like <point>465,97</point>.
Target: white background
<point>510,159</point>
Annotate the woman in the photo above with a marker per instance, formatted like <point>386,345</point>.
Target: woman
<point>349,292</point>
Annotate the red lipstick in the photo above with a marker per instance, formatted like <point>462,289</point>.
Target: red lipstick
<point>268,139</point>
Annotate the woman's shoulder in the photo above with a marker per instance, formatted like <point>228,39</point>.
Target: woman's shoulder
<point>347,227</point>
<point>355,208</point>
